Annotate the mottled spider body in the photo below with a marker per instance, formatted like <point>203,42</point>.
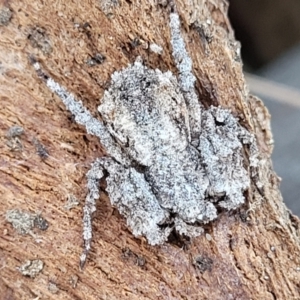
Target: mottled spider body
<point>171,164</point>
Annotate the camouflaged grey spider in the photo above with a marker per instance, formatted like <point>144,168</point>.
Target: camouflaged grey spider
<point>171,164</point>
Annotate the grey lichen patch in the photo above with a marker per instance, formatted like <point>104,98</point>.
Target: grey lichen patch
<point>108,6</point>
<point>40,39</point>
<point>5,15</point>
<point>13,138</point>
<point>24,222</point>
<point>53,288</point>
<point>31,268</point>
<point>14,131</point>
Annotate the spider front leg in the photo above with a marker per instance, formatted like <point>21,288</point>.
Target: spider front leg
<point>94,176</point>
<point>81,114</point>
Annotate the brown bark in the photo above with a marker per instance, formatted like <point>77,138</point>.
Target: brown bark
<point>251,253</point>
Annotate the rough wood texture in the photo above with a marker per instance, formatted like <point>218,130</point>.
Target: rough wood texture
<point>251,253</point>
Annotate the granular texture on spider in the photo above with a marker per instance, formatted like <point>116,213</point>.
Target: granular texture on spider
<point>172,164</point>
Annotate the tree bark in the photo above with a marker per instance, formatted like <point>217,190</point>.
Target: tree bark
<point>250,253</point>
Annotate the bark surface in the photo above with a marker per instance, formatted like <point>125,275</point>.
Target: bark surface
<point>250,253</point>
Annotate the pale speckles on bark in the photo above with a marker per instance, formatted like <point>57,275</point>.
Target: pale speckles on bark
<point>39,38</point>
<point>108,6</point>
<point>31,268</point>
<point>5,15</point>
<point>24,221</point>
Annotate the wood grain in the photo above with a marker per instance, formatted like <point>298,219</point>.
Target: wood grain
<point>252,253</point>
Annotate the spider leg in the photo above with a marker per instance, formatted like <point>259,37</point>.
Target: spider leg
<point>132,195</point>
<point>94,176</point>
<point>82,115</point>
